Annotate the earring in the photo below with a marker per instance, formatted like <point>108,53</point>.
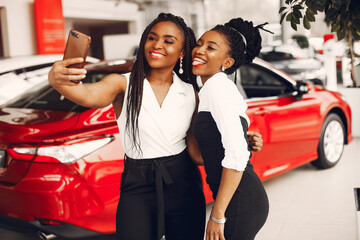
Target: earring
<point>223,68</point>
<point>181,71</point>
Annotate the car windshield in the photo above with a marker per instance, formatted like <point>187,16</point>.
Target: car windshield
<point>44,97</point>
<point>276,56</point>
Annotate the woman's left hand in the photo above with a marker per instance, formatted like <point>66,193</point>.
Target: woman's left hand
<point>255,141</point>
<point>214,231</point>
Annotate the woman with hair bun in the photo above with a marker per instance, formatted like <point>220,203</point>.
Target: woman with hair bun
<point>241,205</point>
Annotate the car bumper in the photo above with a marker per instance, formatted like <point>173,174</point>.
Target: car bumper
<point>56,192</point>
<point>65,230</point>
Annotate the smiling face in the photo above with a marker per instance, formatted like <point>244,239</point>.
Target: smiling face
<point>164,45</point>
<point>210,53</point>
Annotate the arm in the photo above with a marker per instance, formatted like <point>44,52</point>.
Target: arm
<point>228,110</point>
<point>230,180</point>
<point>99,94</point>
<point>191,143</point>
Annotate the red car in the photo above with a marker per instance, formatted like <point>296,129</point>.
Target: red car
<point>60,163</point>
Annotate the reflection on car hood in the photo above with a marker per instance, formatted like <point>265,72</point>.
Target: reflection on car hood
<point>33,125</point>
<point>21,116</point>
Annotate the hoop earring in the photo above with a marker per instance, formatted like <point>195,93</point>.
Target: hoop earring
<point>223,68</point>
<point>181,71</point>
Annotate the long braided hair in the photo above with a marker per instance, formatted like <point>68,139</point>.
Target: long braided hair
<point>141,68</point>
<point>243,51</point>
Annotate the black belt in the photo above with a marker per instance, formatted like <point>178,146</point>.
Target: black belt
<point>160,175</point>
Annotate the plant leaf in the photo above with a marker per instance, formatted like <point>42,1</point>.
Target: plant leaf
<point>355,33</point>
<point>354,9</point>
<point>311,10</point>
<point>282,9</point>
<point>336,4</point>
<point>288,17</point>
<point>306,23</point>
<point>293,25</point>
<point>341,33</point>
<point>295,19</point>
<point>310,15</point>
<point>298,6</point>
<point>335,26</point>
<point>297,13</point>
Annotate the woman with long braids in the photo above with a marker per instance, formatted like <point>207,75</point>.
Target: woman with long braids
<point>241,204</point>
<point>161,191</point>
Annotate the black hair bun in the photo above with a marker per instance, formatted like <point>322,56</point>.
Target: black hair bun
<point>251,34</point>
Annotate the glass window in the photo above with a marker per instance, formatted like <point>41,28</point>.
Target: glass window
<point>44,97</point>
<point>276,56</point>
<point>260,82</point>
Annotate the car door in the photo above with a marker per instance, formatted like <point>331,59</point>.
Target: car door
<point>288,125</point>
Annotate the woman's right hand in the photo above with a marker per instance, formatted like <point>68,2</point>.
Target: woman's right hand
<point>214,231</point>
<point>60,74</point>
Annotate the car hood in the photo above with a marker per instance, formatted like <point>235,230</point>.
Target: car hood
<point>27,125</point>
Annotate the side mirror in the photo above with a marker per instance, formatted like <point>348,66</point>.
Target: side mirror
<point>301,88</point>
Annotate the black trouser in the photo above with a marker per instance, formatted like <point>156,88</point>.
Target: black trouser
<point>248,208</point>
<point>161,196</point>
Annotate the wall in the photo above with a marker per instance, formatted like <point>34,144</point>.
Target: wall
<point>20,24</point>
<point>20,27</point>
<point>104,20</point>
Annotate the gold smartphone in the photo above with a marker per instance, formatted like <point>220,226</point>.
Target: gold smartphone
<point>77,45</point>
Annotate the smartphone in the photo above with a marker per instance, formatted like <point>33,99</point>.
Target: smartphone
<point>77,45</point>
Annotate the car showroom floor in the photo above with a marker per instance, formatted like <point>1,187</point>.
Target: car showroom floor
<point>305,203</point>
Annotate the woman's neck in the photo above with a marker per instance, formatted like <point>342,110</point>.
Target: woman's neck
<point>160,76</point>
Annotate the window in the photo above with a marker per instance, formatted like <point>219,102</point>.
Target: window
<point>19,81</point>
<point>260,82</point>
<point>44,97</point>
<point>276,56</point>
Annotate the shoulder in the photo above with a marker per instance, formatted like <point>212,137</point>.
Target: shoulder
<point>220,83</point>
<point>185,87</point>
<point>223,89</point>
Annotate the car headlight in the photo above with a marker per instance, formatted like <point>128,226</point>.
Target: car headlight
<point>64,152</point>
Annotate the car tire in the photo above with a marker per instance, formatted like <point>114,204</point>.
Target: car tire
<point>331,143</point>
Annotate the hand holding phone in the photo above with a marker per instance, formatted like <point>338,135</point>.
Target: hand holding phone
<point>77,45</point>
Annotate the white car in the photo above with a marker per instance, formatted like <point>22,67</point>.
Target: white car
<point>296,62</point>
<point>18,74</point>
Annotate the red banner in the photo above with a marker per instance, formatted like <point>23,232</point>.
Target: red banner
<point>50,26</point>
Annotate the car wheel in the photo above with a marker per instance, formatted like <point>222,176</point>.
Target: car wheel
<point>331,143</point>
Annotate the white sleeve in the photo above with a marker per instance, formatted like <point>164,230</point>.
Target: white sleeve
<point>228,107</point>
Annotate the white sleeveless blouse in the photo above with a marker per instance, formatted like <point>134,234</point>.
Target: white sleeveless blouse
<point>162,130</point>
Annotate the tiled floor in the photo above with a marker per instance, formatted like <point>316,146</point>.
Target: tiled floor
<point>310,204</point>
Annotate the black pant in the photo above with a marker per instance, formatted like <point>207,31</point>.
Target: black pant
<point>248,208</point>
<point>161,196</point>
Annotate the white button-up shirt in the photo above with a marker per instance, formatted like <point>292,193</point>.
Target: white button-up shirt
<point>162,130</point>
<point>222,99</point>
